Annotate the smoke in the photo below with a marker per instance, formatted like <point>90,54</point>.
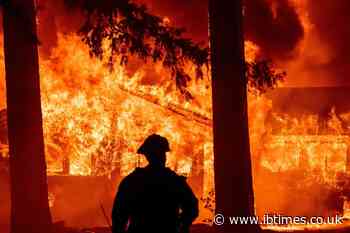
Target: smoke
<point>189,14</point>
<point>274,26</point>
<point>315,56</point>
<point>330,20</point>
<point>277,30</point>
<point>53,17</point>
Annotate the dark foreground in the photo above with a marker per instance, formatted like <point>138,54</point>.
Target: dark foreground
<point>202,228</point>
<point>199,228</point>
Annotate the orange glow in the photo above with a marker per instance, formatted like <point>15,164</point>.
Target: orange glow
<point>96,119</point>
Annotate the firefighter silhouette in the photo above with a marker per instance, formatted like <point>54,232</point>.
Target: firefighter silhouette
<point>154,198</point>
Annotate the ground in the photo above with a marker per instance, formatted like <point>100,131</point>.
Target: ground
<point>201,228</point>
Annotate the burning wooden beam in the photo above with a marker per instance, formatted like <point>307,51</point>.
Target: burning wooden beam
<point>185,113</point>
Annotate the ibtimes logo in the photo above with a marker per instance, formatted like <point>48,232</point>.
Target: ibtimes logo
<point>277,219</point>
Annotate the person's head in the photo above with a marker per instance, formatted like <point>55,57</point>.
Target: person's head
<point>155,148</point>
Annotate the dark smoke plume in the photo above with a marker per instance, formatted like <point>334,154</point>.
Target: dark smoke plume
<point>331,23</point>
<point>277,35</point>
<point>276,32</point>
<point>189,14</point>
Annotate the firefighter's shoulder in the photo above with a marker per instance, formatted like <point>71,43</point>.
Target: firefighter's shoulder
<point>137,172</point>
<point>133,177</point>
<point>180,179</point>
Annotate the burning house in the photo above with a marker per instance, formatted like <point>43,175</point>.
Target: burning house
<point>94,121</point>
<point>304,152</point>
<point>316,113</point>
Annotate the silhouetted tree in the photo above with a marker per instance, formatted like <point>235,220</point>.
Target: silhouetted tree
<point>130,30</point>
<point>262,76</point>
<point>232,161</point>
<point>29,195</point>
